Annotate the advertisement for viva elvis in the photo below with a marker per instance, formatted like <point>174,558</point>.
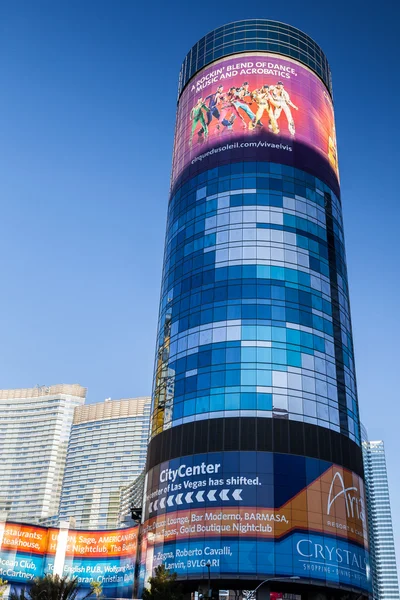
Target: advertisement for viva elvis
<point>255,106</point>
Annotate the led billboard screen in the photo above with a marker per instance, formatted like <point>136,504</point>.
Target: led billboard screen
<point>257,514</point>
<point>255,106</point>
<point>22,551</point>
<point>109,557</point>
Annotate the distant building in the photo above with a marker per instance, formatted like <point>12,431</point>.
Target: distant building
<point>34,430</point>
<point>106,451</point>
<point>383,555</point>
<point>52,521</point>
<point>130,499</point>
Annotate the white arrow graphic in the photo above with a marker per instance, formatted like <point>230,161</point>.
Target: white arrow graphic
<point>199,497</point>
<point>236,495</point>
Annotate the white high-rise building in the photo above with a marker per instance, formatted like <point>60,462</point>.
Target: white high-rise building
<point>131,498</point>
<point>106,451</point>
<point>383,555</point>
<point>34,430</point>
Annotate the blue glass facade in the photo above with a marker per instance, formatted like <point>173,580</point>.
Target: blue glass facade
<point>255,297</point>
<point>254,409</point>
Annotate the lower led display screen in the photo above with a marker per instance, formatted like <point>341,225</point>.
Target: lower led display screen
<point>108,557</point>
<point>256,514</point>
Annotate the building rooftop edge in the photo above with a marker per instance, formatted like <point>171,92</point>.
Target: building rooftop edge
<point>72,389</point>
<point>322,71</point>
<point>254,19</point>
<point>111,400</point>
<point>110,409</point>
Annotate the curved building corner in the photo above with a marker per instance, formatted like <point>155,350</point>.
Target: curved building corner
<point>254,467</point>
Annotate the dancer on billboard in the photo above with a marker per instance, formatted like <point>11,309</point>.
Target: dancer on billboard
<point>197,116</point>
<point>283,102</point>
<point>332,148</point>
<point>241,95</point>
<point>265,103</point>
<point>226,106</point>
<point>213,102</point>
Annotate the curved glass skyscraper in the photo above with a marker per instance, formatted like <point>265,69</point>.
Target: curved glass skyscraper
<point>254,466</point>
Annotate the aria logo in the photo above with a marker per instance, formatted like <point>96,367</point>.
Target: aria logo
<point>352,497</point>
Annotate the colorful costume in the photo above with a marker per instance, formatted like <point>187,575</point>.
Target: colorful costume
<point>262,99</point>
<point>213,101</point>
<point>282,100</point>
<point>226,107</point>
<point>197,116</point>
<point>240,103</point>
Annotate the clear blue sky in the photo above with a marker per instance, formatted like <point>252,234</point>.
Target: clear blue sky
<point>87,108</point>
